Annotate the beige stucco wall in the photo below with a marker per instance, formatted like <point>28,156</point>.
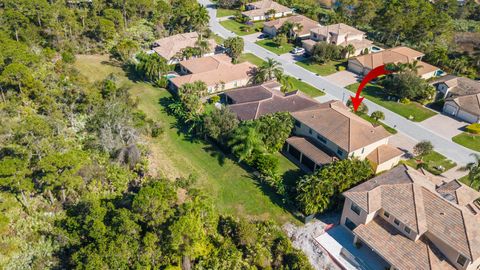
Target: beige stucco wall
<point>450,253</point>
<point>387,165</point>
<point>362,153</point>
<point>429,75</point>
<point>272,31</point>
<point>363,218</point>
<point>228,85</point>
<point>355,67</point>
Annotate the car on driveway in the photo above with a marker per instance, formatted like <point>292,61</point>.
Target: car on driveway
<point>263,36</point>
<point>297,50</point>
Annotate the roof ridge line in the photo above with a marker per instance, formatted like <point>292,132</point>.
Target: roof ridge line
<point>466,235</point>
<point>415,205</point>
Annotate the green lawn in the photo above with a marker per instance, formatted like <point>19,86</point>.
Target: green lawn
<point>250,57</point>
<point>273,47</point>
<point>307,88</point>
<point>218,39</point>
<point>371,120</point>
<point>432,160</point>
<point>322,70</point>
<point>223,12</point>
<point>375,93</point>
<point>234,189</point>
<point>468,140</point>
<point>236,27</point>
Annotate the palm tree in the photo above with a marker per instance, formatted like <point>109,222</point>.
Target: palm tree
<point>203,45</point>
<point>349,50</point>
<point>473,169</point>
<point>413,66</point>
<point>268,71</point>
<point>291,29</point>
<point>287,83</point>
<point>245,141</point>
<point>152,66</point>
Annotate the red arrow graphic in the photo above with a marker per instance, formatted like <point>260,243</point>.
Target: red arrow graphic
<point>374,73</point>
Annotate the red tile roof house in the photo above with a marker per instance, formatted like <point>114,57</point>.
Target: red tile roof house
<point>324,132</point>
<point>338,34</point>
<point>256,11</point>
<point>168,47</point>
<point>364,63</point>
<point>218,73</point>
<point>415,220</point>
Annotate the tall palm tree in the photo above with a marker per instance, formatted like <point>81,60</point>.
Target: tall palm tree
<point>413,66</point>
<point>269,70</point>
<point>203,45</point>
<point>245,141</point>
<point>349,50</point>
<point>473,169</point>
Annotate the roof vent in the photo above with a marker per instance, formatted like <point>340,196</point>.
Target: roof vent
<point>442,213</point>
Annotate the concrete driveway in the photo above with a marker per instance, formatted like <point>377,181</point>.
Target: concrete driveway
<point>292,58</point>
<point>252,37</point>
<point>343,78</point>
<point>444,125</point>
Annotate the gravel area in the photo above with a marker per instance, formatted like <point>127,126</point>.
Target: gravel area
<point>303,239</point>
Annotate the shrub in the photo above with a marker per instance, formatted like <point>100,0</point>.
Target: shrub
<point>405,101</point>
<point>214,99</point>
<point>473,128</point>
<point>423,148</point>
<point>341,68</point>
<point>157,129</point>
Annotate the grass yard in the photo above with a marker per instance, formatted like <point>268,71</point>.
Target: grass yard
<point>297,84</point>
<point>273,47</point>
<point>322,70</point>
<point>433,160</point>
<point>218,39</point>
<point>376,123</point>
<point>307,88</point>
<point>250,57</point>
<point>234,189</point>
<point>223,12</point>
<point>236,27</point>
<point>375,94</point>
<point>468,140</point>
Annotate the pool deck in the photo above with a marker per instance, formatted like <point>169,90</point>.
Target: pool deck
<point>338,242</point>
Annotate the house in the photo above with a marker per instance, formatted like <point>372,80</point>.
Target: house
<point>333,129</point>
<point>216,71</point>
<point>338,34</point>
<point>259,11</point>
<point>364,63</point>
<point>169,47</point>
<point>306,24</point>
<point>252,102</point>
<point>415,220</point>
<point>451,85</point>
<point>465,107</point>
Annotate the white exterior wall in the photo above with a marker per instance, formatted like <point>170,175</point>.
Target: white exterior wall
<point>387,165</point>
<point>429,75</point>
<point>468,117</point>
<point>451,108</point>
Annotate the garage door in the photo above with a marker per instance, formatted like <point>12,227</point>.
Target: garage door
<point>449,109</point>
<point>467,117</point>
<point>353,67</point>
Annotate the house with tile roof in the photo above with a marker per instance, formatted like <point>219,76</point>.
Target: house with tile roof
<point>169,47</point>
<point>303,31</point>
<point>258,11</point>
<point>331,129</point>
<point>364,63</point>
<point>217,71</point>
<point>415,220</point>
<point>338,34</point>
<point>254,101</point>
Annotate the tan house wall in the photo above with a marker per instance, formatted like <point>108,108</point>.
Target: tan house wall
<point>362,153</point>
<point>429,75</point>
<point>347,212</point>
<point>450,253</point>
<point>355,67</point>
<point>270,30</point>
<point>387,165</point>
<point>228,85</point>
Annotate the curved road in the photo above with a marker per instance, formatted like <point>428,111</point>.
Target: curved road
<point>443,145</point>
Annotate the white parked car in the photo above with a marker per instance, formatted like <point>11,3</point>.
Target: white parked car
<point>297,50</point>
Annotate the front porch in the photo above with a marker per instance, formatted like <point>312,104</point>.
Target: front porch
<point>339,243</point>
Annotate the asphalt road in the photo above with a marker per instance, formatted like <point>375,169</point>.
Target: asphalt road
<point>443,145</point>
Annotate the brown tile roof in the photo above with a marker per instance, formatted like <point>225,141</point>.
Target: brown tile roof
<point>307,23</point>
<point>317,154</point>
<point>203,64</point>
<point>258,102</point>
<point>399,250</point>
<point>252,93</point>
<point>168,47</point>
<point>261,7</point>
<point>337,29</point>
<point>384,153</point>
<point>470,103</point>
<point>334,121</point>
<point>411,197</point>
<point>463,86</point>
<point>394,55</point>
<point>223,73</point>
